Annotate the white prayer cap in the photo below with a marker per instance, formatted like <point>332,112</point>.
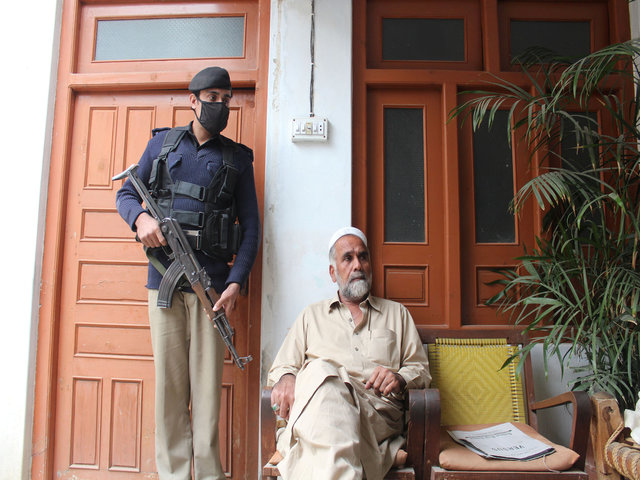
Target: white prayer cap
<point>347,231</point>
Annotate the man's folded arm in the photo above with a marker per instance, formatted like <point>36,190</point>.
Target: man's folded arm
<point>415,364</point>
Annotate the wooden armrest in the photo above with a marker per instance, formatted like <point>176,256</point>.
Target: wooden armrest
<point>415,430</point>
<point>267,426</point>
<point>606,417</point>
<point>431,430</point>
<point>581,420</point>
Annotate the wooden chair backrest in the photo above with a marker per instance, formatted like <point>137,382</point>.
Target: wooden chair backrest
<point>466,367</point>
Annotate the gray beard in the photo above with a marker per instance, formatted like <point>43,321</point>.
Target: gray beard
<point>354,290</point>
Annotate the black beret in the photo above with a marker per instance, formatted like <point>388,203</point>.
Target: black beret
<point>210,77</point>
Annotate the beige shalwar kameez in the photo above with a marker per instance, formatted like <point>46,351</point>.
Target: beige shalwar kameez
<point>337,429</point>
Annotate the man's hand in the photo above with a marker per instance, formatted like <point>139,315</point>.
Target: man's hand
<point>228,298</point>
<point>283,395</point>
<point>148,231</point>
<point>385,382</point>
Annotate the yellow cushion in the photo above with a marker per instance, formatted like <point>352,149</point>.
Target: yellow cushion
<point>454,456</point>
<point>473,387</point>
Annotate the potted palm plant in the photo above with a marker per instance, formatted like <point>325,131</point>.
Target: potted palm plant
<point>579,286</point>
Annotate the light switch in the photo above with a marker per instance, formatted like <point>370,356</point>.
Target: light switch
<point>309,129</point>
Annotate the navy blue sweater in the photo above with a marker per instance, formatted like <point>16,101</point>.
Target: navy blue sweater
<point>198,164</point>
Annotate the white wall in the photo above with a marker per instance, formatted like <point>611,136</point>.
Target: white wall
<point>634,14</point>
<point>27,34</point>
<point>308,185</point>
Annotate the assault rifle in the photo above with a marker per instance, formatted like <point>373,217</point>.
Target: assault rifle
<point>183,263</point>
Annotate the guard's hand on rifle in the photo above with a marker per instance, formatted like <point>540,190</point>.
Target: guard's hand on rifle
<point>228,298</point>
<point>148,231</point>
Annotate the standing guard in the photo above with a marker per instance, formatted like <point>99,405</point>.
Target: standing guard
<point>204,181</point>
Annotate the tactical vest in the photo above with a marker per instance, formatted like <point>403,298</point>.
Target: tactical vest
<point>214,231</point>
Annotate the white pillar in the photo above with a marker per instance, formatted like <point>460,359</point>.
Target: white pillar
<point>27,34</point>
<point>307,185</point>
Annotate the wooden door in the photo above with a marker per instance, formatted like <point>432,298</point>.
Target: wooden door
<point>407,195</point>
<point>405,214</point>
<point>105,389</point>
<point>431,193</point>
<point>493,167</point>
<point>120,75</point>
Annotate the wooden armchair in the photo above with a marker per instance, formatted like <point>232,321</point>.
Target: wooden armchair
<point>449,402</point>
<point>414,468</point>
<point>477,391</point>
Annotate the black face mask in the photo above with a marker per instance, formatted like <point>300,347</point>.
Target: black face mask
<point>213,116</point>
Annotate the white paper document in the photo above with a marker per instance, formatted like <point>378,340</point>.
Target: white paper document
<point>502,442</point>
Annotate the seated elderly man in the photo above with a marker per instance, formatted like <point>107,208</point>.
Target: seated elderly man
<point>340,376</point>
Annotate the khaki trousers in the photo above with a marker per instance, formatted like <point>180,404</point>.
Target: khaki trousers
<point>336,429</point>
<point>188,356</point>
